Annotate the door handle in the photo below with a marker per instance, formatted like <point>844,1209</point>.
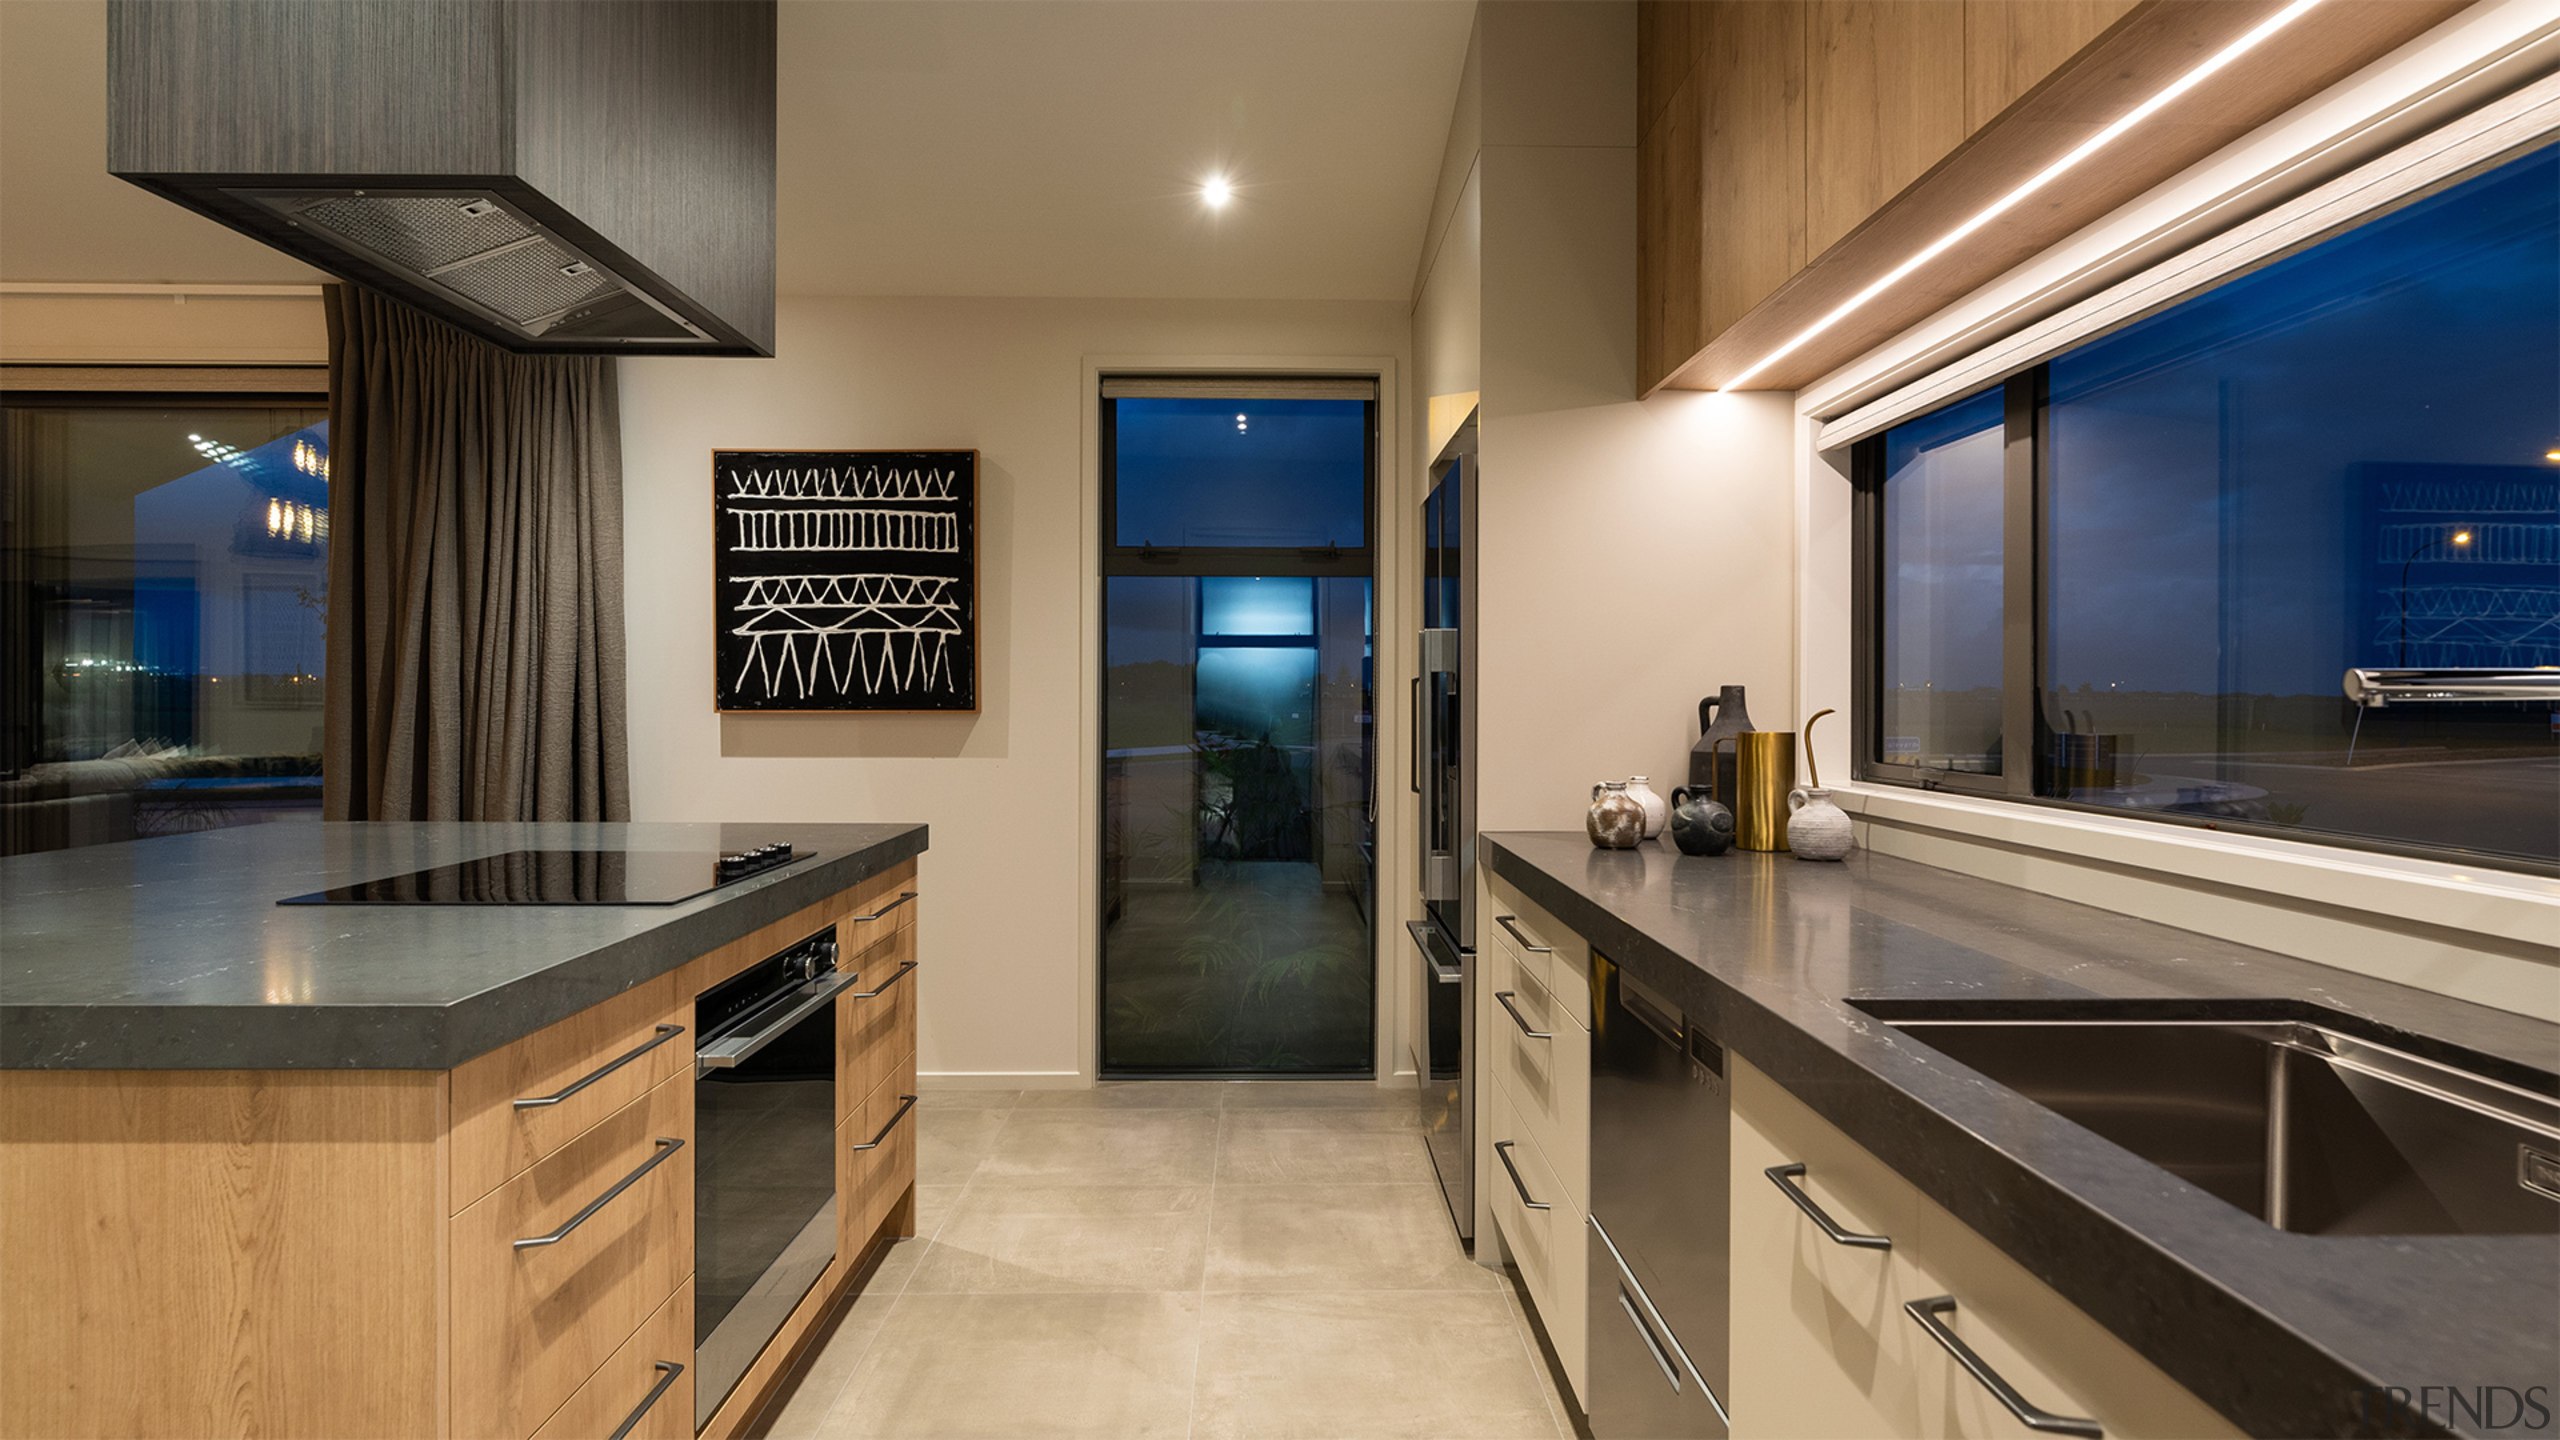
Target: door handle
<point>883,912</point>
<point>1502,1152</point>
<point>905,1104</point>
<point>1512,924</point>
<point>1926,1312</point>
<point>667,1147</point>
<point>731,1051</point>
<point>1650,1344</point>
<point>1503,997</point>
<point>1413,727</point>
<point>883,988</point>
<point>537,1102</point>
<point>668,1370</point>
<point>1784,1177</point>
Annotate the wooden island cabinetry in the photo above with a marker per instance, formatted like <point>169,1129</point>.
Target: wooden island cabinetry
<point>502,1249</point>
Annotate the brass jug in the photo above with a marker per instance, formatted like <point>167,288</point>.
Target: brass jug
<point>1766,772</point>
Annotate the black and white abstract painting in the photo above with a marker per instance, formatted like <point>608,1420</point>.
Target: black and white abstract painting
<point>847,579</point>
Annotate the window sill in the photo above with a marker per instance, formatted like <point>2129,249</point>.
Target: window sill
<point>2508,910</point>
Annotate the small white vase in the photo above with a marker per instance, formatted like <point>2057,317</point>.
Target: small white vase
<point>1816,828</point>
<point>1657,811</point>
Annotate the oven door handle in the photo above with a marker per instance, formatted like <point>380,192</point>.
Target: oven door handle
<point>730,1051</point>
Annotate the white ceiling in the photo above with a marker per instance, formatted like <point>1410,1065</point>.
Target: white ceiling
<point>931,147</point>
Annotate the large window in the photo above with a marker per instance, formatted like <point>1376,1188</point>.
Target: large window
<point>1237,728</point>
<point>2348,460</point>
<point>164,580</point>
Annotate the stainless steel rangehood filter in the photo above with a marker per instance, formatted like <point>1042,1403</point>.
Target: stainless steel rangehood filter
<point>553,175</point>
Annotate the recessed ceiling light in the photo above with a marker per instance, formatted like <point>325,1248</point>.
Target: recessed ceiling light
<point>1997,208</point>
<point>1215,192</point>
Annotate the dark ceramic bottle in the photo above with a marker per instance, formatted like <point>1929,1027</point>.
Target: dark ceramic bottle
<point>1720,716</point>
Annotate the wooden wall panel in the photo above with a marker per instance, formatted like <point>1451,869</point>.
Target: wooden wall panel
<point>222,1253</point>
<point>2010,45</point>
<point>1752,71</point>
<point>1884,100</point>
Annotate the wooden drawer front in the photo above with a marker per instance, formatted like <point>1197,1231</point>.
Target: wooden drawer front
<point>871,1181</point>
<point>1542,946</point>
<point>531,1323</point>
<point>1549,1080</point>
<point>519,1103</point>
<point>876,1020</point>
<point>1546,1244</point>
<point>660,1354</point>
<point>876,909</point>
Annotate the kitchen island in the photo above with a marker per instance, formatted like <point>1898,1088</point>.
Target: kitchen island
<point>1805,974</point>
<point>291,1169</point>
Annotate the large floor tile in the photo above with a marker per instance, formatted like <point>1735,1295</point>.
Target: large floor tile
<point>934,1204</point>
<point>1320,1094</point>
<point>1371,1366</point>
<point>840,1349</point>
<point>1254,1156</point>
<point>1132,1095</point>
<point>1112,1147</point>
<point>932,1099</point>
<point>1406,1118</point>
<point>1012,1367</point>
<point>1084,1237</point>
<point>1334,1237</point>
<point>950,1144</point>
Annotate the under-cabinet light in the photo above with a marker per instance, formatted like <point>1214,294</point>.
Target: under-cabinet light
<point>2124,123</point>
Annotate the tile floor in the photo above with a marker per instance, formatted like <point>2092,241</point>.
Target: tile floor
<point>1177,1259</point>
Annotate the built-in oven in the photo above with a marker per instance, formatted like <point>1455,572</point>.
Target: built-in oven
<point>1444,775</point>
<point>764,1121</point>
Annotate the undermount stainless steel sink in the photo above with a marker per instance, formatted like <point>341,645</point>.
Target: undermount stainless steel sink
<point>2308,1129</point>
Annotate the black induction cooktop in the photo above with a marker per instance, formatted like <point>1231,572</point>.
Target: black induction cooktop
<point>562,877</point>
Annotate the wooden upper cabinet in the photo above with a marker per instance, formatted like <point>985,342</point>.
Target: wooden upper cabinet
<point>2009,45</point>
<point>1885,99</point>
<point>1751,77</point>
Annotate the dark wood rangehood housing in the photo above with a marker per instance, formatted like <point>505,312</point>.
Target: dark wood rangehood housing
<point>576,176</point>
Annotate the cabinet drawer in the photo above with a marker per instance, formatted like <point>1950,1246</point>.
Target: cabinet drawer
<point>1549,1079</point>
<point>532,1322</point>
<point>880,906</point>
<point>1547,1244</point>
<point>627,1390</point>
<point>870,1181</point>
<point>876,1020</point>
<point>1542,946</point>
<point>519,1103</point>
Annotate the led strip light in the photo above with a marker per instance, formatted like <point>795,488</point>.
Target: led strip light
<point>2123,124</point>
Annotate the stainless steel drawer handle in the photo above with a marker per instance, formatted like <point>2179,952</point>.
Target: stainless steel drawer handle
<point>905,1104</point>
<point>883,912</point>
<point>1503,997</point>
<point>665,1034</point>
<point>1651,1345</point>
<point>894,977</point>
<point>667,1147</point>
<point>1927,1313</point>
<point>1502,1152</point>
<point>668,1370</point>
<point>1512,924</point>
<point>1783,1176</point>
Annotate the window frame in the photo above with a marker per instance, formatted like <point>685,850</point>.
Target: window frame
<point>1321,561</point>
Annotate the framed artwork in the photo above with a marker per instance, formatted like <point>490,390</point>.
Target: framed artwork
<point>845,580</point>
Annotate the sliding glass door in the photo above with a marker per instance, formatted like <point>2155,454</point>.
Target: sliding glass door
<point>1238,744</point>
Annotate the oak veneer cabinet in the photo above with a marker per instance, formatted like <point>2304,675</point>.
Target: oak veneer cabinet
<point>339,1253</point>
<point>1822,1344</point>
<point>1533,1101</point>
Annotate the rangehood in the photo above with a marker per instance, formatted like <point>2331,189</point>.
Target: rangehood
<point>553,175</point>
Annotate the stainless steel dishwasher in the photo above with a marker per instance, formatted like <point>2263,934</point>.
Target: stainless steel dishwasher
<point>1660,1117</point>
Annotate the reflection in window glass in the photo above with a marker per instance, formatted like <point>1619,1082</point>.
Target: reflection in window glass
<point>2337,461</point>
<point>164,587</point>
<point>1236,605</point>
<point>1942,589</point>
<point>1228,474</point>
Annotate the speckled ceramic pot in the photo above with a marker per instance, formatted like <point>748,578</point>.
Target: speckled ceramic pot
<point>1816,828</point>
<point>1657,811</point>
<point>1616,821</point>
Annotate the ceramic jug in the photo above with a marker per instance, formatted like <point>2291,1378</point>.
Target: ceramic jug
<point>1816,828</point>
<point>1721,716</point>
<point>1657,811</point>
<point>1616,821</point>
<point>1700,824</point>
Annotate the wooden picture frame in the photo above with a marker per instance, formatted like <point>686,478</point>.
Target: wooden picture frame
<point>844,582</point>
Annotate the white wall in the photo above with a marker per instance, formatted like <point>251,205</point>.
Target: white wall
<point>1007,990</point>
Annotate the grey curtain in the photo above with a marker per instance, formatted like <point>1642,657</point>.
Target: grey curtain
<point>475,576</point>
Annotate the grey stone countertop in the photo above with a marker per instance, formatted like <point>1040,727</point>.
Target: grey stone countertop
<point>2286,1334</point>
<point>172,954</point>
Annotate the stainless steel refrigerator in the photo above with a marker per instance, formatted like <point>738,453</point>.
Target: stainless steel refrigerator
<point>1444,719</point>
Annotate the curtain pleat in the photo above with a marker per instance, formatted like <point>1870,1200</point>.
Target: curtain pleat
<point>475,574</point>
